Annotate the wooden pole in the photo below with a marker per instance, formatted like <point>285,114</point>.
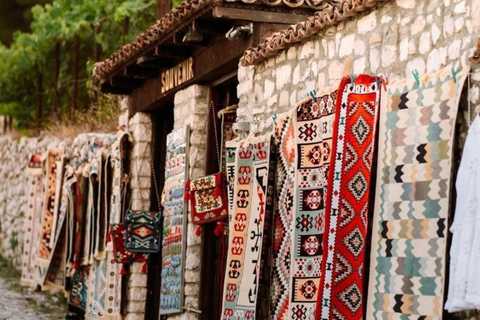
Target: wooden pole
<point>126,25</point>
<point>39,99</point>
<point>56,76</point>
<point>168,6</point>
<point>96,57</point>
<point>5,124</point>
<point>76,54</point>
<point>160,9</point>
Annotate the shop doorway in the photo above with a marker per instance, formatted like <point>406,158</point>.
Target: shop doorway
<point>223,94</point>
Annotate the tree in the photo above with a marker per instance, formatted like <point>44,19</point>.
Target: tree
<point>49,50</point>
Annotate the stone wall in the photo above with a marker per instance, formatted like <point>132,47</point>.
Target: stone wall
<point>140,127</point>
<point>14,156</point>
<point>191,108</point>
<point>393,39</point>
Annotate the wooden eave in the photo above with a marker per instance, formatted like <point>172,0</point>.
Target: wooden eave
<point>138,74</point>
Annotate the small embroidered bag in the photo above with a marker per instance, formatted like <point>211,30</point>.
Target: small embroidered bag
<point>117,233</point>
<point>208,195</point>
<point>143,231</point>
<point>143,228</point>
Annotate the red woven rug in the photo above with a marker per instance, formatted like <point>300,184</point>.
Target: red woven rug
<point>347,200</point>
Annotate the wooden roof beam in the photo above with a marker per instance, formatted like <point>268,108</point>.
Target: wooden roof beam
<point>140,72</point>
<point>258,15</point>
<point>173,52</point>
<point>155,62</point>
<point>215,27</point>
<point>107,88</point>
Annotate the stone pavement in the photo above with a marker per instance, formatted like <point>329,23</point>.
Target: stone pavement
<point>26,305</point>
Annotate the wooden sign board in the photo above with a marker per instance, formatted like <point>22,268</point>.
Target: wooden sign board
<point>176,76</point>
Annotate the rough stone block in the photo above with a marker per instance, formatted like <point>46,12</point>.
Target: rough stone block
<point>269,86</point>
<point>137,280</point>
<point>436,59</point>
<point>283,76</point>
<point>137,294</point>
<point>425,43</point>
<point>389,54</point>
<point>192,276</point>
<point>136,307</point>
<point>367,23</point>
<point>406,4</point>
<point>307,50</point>
<point>135,316</point>
<point>193,257</point>
<point>192,289</point>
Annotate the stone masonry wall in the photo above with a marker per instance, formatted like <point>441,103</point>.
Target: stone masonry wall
<point>393,39</point>
<point>140,127</point>
<point>13,192</point>
<point>191,108</point>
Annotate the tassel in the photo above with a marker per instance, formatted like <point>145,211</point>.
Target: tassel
<point>219,229</point>
<point>198,232</point>
<point>76,265</point>
<point>144,267</point>
<point>216,192</point>
<point>187,194</point>
<point>109,238</point>
<point>123,271</point>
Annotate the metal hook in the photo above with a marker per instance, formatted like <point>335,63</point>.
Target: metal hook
<point>378,81</point>
<point>416,76</point>
<point>454,73</point>
<point>352,78</point>
<point>312,94</point>
<point>274,118</point>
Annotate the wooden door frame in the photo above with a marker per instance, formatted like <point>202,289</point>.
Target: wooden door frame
<point>162,125</point>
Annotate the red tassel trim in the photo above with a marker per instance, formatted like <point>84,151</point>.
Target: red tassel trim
<point>219,229</point>
<point>187,194</point>
<point>144,267</point>
<point>76,265</point>
<point>198,231</point>
<point>109,238</point>
<point>123,271</point>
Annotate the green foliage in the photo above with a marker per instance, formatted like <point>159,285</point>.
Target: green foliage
<point>31,54</point>
<point>14,241</point>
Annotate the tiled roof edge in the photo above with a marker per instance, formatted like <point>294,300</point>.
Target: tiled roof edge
<point>327,17</point>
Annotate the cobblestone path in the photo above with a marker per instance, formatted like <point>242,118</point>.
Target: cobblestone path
<point>25,305</point>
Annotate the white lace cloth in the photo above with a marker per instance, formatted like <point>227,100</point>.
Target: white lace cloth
<point>464,283</point>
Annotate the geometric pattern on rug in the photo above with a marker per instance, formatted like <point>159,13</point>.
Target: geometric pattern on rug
<point>174,223</point>
<point>45,251</point>
<point>32,218</point>
<point>78,294</point>
<point>113,301</point>
<point>142,232</point>
<point>313,140</point>
<point>347,199</point>
<point>247,227</point>
<point>97,290</point>
<point>283,217</point>
<point>417,124</point>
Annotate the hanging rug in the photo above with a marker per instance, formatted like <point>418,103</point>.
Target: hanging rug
<point>407,268</point>
<point>347,197</point>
